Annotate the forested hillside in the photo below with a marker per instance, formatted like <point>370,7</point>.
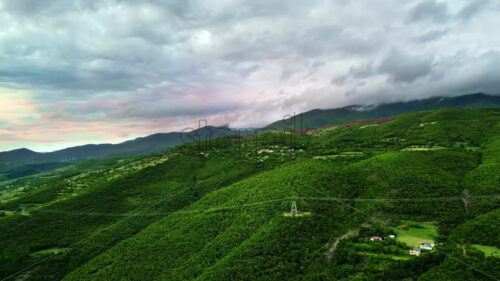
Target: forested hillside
<point>321,117</point>
<point>24,162</point>
<point>223,209</point>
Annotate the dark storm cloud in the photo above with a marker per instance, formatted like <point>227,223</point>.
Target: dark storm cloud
<point>240,62</point>
<point>403,67</point>
<point>49,7</point>
<point>362,71</point>
<point>431,35</point>
<point>161,109</point>
<point>339,80</point>
<point>473,8</point>
<point>429,11</point>
<point>70,78</point>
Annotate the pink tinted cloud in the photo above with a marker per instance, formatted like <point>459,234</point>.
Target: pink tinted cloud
<point>56,125</point>
<point>110,104</point>
<point>85,107</point>
<point>24,103</point>
<point>202,97</point>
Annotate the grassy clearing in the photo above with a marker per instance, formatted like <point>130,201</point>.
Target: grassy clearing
<point>369,125</point>
<point>6,213</point>
<point>340,155</point>
<point>303,214</point>
<point>48,252</point>
<point>488,250</point>
<point>423,148</point>
<point>6,196</point>
<point>418,232</point>
<point>321,132</point>
<point>385,256</point>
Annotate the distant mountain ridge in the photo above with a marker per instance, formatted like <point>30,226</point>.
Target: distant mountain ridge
<point>317,118</point>
<point>152,143</point>
<point>311,119</point>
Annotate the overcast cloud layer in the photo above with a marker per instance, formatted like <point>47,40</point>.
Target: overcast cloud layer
<point>82,71</point>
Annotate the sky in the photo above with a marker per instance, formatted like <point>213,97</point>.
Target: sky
<point>85,71</point>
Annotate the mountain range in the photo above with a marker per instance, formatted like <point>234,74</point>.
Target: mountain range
<point>317,118</point>
<point>142,145</point>
<point>311,119</point>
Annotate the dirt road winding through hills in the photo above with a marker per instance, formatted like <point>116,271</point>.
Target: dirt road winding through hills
<point>331,251</point>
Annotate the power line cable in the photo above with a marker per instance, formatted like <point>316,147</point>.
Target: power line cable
<point>385,224</point>
<point>376,200</point>
<point>98,232</point>
<point>215,209</point>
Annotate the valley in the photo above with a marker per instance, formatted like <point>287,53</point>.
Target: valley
<point>365,196</point>
<point>249,140</point>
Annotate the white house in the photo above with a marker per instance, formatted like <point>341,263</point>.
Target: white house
<point>415,252</point>
<point>426,246</point>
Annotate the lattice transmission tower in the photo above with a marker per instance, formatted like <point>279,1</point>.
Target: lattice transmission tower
<point>293,211</point>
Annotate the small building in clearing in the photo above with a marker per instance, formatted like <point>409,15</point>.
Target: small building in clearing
<point>373,238</point>
<point>426,246</point>
<point>415,252</point>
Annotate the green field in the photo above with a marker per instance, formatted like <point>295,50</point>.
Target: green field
<point>340,155</point>
<point>488,250</point>
<point>48,252</point>
<point>418,232</point>
<point>6,213</point>
<point>6,196</point>
<point>303,214</point>
<point>386,256</point>
<point>423,148</point>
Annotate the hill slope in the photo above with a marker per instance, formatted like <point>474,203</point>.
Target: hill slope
<point>151,143</point>
<point>311,119</point>
<point>220,210</point>
<point>24,162</point>
<point>321,117</point>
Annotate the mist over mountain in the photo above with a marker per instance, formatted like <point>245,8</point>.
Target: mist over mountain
<point>321,117</point>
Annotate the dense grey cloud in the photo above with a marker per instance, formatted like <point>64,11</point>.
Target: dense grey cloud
<point>403,67</point>
<point>431,35</point>
<point>473,8</point>
<point>430,10</point>
<point>148,63</point>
